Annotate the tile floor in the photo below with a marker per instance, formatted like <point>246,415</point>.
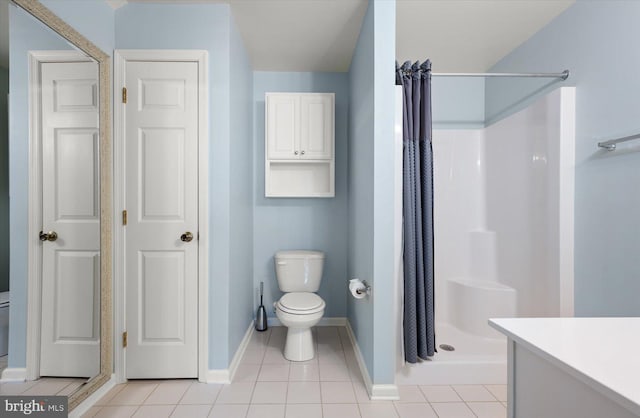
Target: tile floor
<point>42,387</point>
<point>266,385</point>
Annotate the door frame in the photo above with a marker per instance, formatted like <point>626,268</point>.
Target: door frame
<point>121,57</point>
<point>34,269</point>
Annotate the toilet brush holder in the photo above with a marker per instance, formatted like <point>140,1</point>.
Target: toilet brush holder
<point>261,315</point>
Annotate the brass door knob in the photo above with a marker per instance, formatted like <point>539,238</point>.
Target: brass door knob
<point>48,236</point>
<point>186,237</point>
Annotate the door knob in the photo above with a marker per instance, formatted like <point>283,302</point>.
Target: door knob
<point>48,236</point>
<point>186,237</point>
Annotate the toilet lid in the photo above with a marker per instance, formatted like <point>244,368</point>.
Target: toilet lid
<point>301,301</point>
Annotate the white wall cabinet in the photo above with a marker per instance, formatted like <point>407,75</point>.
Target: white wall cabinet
<point>299,144</point>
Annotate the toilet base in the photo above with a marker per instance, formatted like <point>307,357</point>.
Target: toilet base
<point>299,345</point>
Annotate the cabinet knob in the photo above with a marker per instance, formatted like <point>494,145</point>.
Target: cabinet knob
<point>295,152</point>
<point>302,153</point>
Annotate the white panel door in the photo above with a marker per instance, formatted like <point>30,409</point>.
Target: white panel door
<point>316,130</point>
<point>70,333</point>
<point>283,127</point>
<point>161,146</point>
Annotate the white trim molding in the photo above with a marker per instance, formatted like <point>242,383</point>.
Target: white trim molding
<point>378,392</point>
<point>226,375</point>
<point>201,57</point>
<point>34,269</point>
<point>90,401</point>
<point>14,374</point>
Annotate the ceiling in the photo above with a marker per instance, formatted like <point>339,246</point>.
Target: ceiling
<point>320,35</point>
<point>468,35</point>
<point>302,35</point>
<point>295,35</point>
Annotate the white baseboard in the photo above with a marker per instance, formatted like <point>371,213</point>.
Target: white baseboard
<point>385,393</point>
<point>378,391</point>
<point>218,376</point>
<point>226,375</point>
<point>324,322</point>
<point>85,405</point>
<point>14,374</point>
<point>235,362</point>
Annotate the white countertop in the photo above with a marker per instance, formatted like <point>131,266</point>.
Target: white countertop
<point>604,353</point>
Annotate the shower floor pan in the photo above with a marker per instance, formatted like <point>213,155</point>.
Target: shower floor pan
<point>475,360</point>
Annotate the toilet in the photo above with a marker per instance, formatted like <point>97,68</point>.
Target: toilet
<point>299,274</point>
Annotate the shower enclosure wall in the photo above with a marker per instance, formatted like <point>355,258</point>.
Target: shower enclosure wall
<point>503,215</point>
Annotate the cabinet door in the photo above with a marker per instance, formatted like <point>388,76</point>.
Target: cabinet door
<point>283,126</point>
<point>316,126</point>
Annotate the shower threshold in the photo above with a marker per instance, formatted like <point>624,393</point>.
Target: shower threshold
<point>475,360</point>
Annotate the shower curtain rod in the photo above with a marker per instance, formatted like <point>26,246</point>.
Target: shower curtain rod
<point>563,75</point>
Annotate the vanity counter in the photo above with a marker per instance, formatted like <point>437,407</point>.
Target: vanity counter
<point>572,367</point>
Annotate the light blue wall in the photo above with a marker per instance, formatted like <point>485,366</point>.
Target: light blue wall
<point>506,96</point>
<point>26,34</point>
<point>458,102</point>
<point>304,223</point>
<point>361,183</point>
<point>371,188</point>
<point>384,192</point>
<point>598,42</point>
<point>4,178</point>
<point>241,309</point>
<point>92,18</point>
<point>161,26</point>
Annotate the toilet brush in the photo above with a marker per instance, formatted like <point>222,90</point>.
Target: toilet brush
<point>261,316</point>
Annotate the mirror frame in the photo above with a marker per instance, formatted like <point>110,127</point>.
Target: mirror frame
<point>44,15</point>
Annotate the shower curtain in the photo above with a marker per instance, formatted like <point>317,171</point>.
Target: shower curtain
<point>417,194</point>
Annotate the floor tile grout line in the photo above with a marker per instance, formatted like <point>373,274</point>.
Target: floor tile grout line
<point>185,392</point>
<point>482,386</point>
<point>352,378</point>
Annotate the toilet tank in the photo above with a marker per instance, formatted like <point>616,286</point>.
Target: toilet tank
<point>299,271</point>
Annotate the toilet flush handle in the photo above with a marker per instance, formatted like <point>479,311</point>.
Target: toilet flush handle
<point>282,263</point>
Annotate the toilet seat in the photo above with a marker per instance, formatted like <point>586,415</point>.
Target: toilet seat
<point>301,303</point>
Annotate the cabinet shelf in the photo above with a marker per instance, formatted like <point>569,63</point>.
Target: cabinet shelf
<point>300,179</point>
<point>299,145</point>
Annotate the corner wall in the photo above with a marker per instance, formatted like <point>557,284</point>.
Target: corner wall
<point>241,194</point>
<point>597,42</point>
<point>302,223</point>
<point>4,176</point>
<point>371,189</point>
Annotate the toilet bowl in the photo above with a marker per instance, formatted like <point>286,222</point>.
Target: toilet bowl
<point>299,274</point>
<point>299,311</point>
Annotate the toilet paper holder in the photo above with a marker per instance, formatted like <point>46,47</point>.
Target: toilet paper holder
<point>367,287</point>
<point>366,290</point>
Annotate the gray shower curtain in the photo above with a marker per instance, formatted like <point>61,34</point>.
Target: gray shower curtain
<point>418,323</point>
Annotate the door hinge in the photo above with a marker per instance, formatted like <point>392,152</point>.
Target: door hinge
<point>124,95</point>
<point>124,217</point>
<point>124,339</point>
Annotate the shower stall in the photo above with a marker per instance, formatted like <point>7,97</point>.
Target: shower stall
<point>503,216</point>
